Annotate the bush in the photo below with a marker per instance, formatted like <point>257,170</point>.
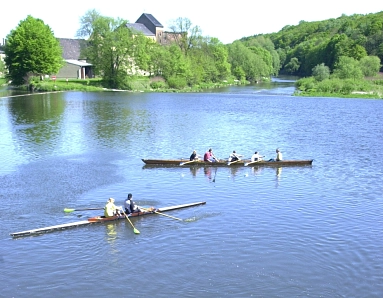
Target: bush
<point>177,82</point>
<point>157,85</point>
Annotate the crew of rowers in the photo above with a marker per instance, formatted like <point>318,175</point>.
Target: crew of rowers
<point>210,157</point>
<point>111,210</point>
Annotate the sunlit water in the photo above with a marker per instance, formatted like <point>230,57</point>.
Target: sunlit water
<point>290,232</point>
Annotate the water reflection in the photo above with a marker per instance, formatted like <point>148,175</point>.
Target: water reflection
<point>278,174</point>
<point>194,171</point>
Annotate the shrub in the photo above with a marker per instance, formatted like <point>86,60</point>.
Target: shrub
<point>177,82</point>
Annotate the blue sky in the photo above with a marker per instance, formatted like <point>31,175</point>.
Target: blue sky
<point>226,20</point>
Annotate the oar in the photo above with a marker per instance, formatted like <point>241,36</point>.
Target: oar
<point>184,163</point>
<point>249,163</point>
<point>134,229</point>
<point>229,163</point>
<point>71,210</point>
<point>162,214</point>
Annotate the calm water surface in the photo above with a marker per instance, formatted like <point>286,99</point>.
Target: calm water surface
<point>288,232</point>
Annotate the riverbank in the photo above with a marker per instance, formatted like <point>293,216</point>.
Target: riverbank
<point>345,88</point>
<point>141,84</point>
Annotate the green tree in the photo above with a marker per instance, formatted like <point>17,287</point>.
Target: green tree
<point>321,72</point>
<point>2,68</point>
<point>347,68</point>
<point>111,50</point>
<point>293,65</point>
<point>31,50</point>
<point>87,23</point>
<point>370,65</point>
<point>185,35</point>
<point>176,64</point>
<point>242,58</point>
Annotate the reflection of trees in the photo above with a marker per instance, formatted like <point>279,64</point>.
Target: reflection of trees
<point>36,119</point>
<point>114,123</point>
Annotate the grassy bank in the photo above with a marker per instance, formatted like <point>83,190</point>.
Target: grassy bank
<point>334,87</point>
<point>137,84</point>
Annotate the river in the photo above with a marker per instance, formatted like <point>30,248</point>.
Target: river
<point>264,232</point>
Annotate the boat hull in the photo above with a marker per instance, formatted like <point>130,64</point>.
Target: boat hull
<point>186,163</point>
<point>98,219</point>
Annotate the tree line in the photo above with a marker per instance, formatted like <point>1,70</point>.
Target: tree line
<point>346,47</point>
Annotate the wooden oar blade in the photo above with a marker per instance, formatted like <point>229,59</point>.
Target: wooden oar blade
<point>136,231</point>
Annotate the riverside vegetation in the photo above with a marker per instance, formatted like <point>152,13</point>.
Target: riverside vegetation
<point>335,57</point>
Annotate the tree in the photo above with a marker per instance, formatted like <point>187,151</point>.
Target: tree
<point>347,68</point>
<point>293,65</point>
<point>31,50</point>
<point>2,68</point>
<point>370,65</point>
<point>321,72</point>
<point>185,36</point>
<point>111,50</point>
<point>86,23</point>
<point>242,59</point>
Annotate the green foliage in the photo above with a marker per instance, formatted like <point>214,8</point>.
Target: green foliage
<point>175,64</point>
<point>177,82</point>
<point>243,59</point>
<point>313,43</point>
<point>2,68</point>
<point>321,72</point>
<point>158,85</point>
<point>31,50</point>
<point>340,87</point>
<point>370,65</point>
<point>347,68</point>
<point>185,35</point>
<point>111,48</point>
<point>293,65</point>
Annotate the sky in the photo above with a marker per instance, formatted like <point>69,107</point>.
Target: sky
<point>225,20</point>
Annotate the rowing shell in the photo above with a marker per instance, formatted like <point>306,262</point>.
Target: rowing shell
<point>224,163</point>
<point>98,219</point>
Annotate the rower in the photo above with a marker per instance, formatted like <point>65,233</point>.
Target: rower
<point>111,210</point>
<point>209,156</point>
<point>234,156</point>
<point>256,157</point>
<point>194,156</point>
<point>130,206</point>
<point>279,156</point>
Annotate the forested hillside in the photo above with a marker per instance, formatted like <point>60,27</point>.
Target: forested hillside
<point>308,44</point>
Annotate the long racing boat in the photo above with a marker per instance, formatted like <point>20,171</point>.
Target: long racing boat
<point>99,219</point>
<point>225,163</point>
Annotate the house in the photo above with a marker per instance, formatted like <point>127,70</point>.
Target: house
<point>148,26</point>
<point>75,66</point>
<point>152,28</point>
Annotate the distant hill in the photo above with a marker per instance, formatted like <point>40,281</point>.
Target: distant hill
<point>308,44</point>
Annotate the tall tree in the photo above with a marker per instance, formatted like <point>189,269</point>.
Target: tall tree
<point>86,23</point>
<point>347,68</point>
<point>31,50</point>
<point>370,65</point>
<point>184,34</point>
<point>321,72</point>
<point>111,50</point>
